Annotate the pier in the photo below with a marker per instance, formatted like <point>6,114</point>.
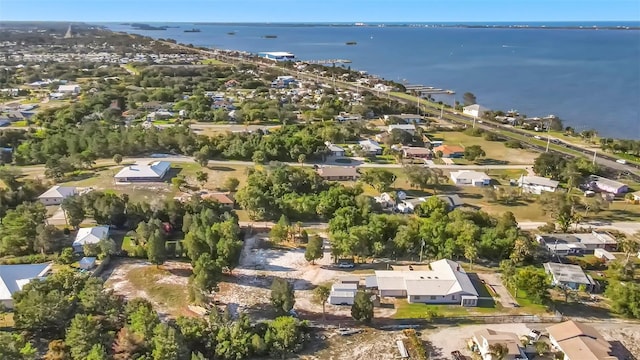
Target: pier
<point>427,90</point>
<point>325,62</point>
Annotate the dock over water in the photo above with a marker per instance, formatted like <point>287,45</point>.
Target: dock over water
<point>427,90</point>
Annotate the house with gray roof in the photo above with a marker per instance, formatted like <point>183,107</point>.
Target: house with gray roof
<point>537,184</point>
<point>445,283</point>
<point>568,275</point>
<point>14,277</point>
<point>56,194</point>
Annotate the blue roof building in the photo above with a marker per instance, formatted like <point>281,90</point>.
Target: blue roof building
<point>14,277</point>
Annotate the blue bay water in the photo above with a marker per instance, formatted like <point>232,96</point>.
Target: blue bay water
<point>589,78</point>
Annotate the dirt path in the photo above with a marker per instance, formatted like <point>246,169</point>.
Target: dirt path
<point>495,282</point>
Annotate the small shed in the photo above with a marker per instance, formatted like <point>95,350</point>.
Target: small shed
<point>87,263</point>
<point>342,297</point>
<point>371,282</point>
<point>349,280</point>
<point>603,254</point>
<point>344,287</point>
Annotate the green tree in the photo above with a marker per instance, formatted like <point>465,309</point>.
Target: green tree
<point>534,282</point>
<point>156,248</point>
<point>321,295</point>
<point>57,351</point>
<point>541,347</point>
<point>498,351</point>
<point>128,345</point>
<point>282,296</point>
<point>471,252</point>
<point>302,158</point>
<point>549,164</point>
<point>117,158</point>
<point>284,336</point>
<point>202,177</point>
<point>231,184</point>
<point>379,179</point>
<point>362,308</point>
<point>48,239</point>
<point>74,210</point>
<point>280,231</point>
<point>66,256</point>
<point>206,275</point>
<point>314,249</point>
<point>473,152</point>
<point>259,157</point>
<point>166,343</point>
<point>83,332</point>
<point>178,182</point>
<point>202,156</point>
<point>98,352</point>
<point>142,319</point>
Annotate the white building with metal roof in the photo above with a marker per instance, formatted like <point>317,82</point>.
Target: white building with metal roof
<point>445,283</point>
<point>537,184</point>
<point>91,235</point>
<point>143,173</point>
<point>56,194</point>
<point>14,277</point>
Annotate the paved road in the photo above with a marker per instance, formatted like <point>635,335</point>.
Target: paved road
<point>628,227</point>
<point>494,281</point>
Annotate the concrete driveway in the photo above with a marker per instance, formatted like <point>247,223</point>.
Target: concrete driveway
<point>494,281</point>
<point>58,217</point>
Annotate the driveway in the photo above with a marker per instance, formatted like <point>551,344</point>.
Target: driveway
<point>495,282</point>
<point>58,218</point>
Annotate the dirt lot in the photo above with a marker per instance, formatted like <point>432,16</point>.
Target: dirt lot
<point>248,288</point>
<point>165,286</point>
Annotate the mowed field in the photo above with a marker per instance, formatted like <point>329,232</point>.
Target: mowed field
<point>496,151</point>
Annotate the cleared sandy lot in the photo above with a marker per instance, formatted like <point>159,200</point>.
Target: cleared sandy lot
<point>249,286</point>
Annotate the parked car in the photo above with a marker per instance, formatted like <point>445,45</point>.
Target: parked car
<point>346,265</point>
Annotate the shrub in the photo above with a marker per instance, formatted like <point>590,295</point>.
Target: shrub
<point>476,132</point>
<point>513,144</point>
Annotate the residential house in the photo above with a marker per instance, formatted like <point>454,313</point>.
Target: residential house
<point>470,178</point>
<point>485,338</point>
<point>335,150</point>
<point>636,197</point>
<point>338,173</point>
<point>283,82</point>
<point>91,235</point>
<point>69,89</point>
<point>222,104</point>
<point>406,118</point>
<point>604,255</point>
<point>56,194</point>
<point>410,128</point>
<point>537,184</point>
<point>371,147</point>
<point>385,200</point>
<point>579,341</point>
<point>570,276</point>
<point>414,152</point>
<point>231,83</point>
<point>143,173</point>
<point>450,151</point>
<point>159,115</point>
<point>342,293</point>
<point>408,206</point>
<point>14,277</point>
<point>348,117</point>
<point>603,184</point>
<point>445,283</point>
<point>224,199</point>
<point>474,110</point>
<point>575,244</point>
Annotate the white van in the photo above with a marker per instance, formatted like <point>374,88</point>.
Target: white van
<point>621,161</point>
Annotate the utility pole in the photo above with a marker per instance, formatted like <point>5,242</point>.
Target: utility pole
<point>474,121</point>
<point>594,156</point>
<point>421,249</point>
<point>441,111</point>
<point>548,141</point>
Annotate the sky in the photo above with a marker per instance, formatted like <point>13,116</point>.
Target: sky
<point>319,10</point>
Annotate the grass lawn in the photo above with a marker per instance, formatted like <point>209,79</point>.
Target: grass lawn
<point>404,310</point>
<point>150,280</point>
<point>214,62</point>
<point>127,244</point>
<point>496,152</point>
<point>6,320</point>
<point>528,306</point>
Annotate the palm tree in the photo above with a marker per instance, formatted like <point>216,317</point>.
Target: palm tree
<point>498,351</point>
<point>321,295</point>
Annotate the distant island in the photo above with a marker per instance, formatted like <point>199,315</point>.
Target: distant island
<point>147,27</point>
<point>192,30</point>
<point>270,36</point>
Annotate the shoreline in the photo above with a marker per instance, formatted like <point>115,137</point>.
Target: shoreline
<point>566,122</point>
